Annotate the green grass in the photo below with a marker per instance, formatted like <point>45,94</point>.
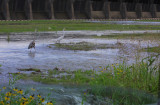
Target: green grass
<point>152,49</point>
<point>58,25</point>
<point>141,76</point>
<point>124,84</point>
<point>144,36</point>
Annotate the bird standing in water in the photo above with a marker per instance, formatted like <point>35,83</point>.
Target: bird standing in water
<point>32,45</point>
<point>61,37</point>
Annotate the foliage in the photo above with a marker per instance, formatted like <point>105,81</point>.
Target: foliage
<point>142,75</point>
<point>152,49</point>
<point>11,95</point>
<point>17,96</point>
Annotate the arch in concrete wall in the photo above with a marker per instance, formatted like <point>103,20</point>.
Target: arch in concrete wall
<point>131,5</point>
<point>38,9</point>
<point>98,9</point>
<point>97,5</point>
<point>79,9</point>
<point>115,9</point>
<point>16,9</point>
<point>131,9</point>
<point>60,9</point>
<point>115,5</point>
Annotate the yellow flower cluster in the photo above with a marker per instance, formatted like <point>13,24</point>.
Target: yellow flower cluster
<point>119,71</point>
<point>10,97</point>
<point>49,103</point>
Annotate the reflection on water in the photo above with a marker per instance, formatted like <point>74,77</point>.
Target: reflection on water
<point>31,54</point>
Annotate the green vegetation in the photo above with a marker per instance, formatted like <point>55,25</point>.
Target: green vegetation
<point>11,95</point>
<point>17,96</point>
<point>152,49</point>
<point>124,96</point>
<point>58,25</point>
<point>136,36</point>
<point>0,65</point>
<point>140,76</point>
<point>86,46</point>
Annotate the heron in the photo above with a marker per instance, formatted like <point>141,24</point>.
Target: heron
<point>32,45</point>
<point>61,37</point>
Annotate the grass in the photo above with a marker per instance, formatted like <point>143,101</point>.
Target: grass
<point>129,84</point>
<point>152,49</point>
<point>58,25</point>
<point>141,76</point>
<point>86,46</point>
<point>136,36</point>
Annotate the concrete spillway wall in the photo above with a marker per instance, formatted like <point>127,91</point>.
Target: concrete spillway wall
<point>78,9</point>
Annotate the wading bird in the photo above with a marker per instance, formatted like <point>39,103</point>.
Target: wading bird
<point>32,45</point>
<point>61,37</point>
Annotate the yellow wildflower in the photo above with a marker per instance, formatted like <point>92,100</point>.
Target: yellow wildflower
<point>118,73</point>
<point>42,100</point>
<point>117,64</point>
<point>33,89</point>
<point>23,103</point>
<point>8,94</point>
<point>26,102</point>
<point>102,71</point>
<point>7,98</point>
<point>15,89</point>
<point>14,94</point>
<point>112,64</point>
<point>104,68</point>
<point>49,103</point>
<point>20,91</point>
<point>2,102</point>
<point>4,87</point>
<point>24,98</point>
<point>39,96</point>
<point>85,93</point>
<point>92,78</point>
<point>31,97</point>
<point>0,90</point>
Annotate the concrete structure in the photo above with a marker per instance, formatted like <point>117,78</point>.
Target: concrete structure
<point>78,9</point>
